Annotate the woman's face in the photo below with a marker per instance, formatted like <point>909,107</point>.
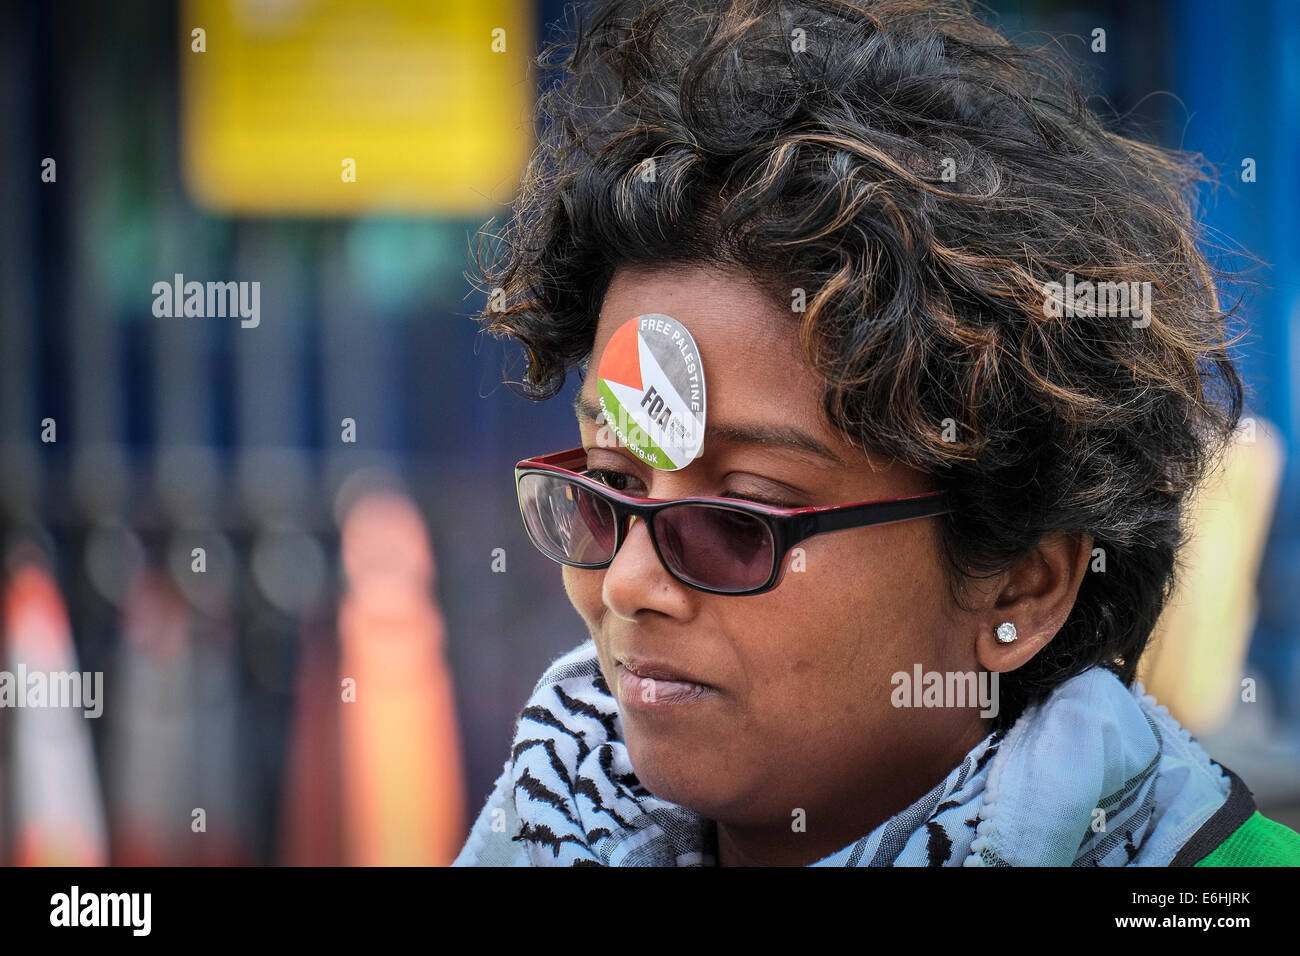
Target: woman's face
<point>799,716</point>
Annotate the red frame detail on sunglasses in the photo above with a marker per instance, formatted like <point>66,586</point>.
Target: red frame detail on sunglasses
<point>786,527</point>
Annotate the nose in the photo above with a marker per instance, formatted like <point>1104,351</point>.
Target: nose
<point>637,581</point>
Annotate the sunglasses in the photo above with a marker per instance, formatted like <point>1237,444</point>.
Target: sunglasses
<point>716,545</point>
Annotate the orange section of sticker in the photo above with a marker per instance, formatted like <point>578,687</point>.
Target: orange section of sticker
<point>621,362</point>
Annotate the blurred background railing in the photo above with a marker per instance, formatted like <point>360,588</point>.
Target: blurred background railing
<point>241,519</point>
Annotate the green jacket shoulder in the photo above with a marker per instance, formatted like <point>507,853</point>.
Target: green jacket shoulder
<point>1239,835</point>
<point>1257,842</point>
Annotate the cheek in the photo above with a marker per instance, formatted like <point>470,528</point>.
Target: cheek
<point>889,573</point>
<point>583,589</point>
<point>866,605</point>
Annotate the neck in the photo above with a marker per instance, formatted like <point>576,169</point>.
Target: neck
<point>842,820</point>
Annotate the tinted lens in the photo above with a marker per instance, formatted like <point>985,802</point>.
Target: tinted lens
<point>716,547</point>
<point>565,520</point>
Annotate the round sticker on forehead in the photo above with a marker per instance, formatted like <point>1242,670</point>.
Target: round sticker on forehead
<point>651,389</point>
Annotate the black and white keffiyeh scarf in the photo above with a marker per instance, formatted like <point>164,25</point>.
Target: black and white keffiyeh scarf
<point>1029,796</point>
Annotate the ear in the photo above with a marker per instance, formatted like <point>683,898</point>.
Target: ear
<point>1036,595</point>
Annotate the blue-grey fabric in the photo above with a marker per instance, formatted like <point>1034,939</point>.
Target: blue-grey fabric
<point>1096,775</point>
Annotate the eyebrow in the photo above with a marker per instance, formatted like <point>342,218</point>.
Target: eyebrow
<point>781,436</point>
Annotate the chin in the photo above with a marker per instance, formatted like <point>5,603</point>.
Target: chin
<point>688,781</point>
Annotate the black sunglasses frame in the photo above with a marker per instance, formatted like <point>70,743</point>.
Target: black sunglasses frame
<point>788,527</point>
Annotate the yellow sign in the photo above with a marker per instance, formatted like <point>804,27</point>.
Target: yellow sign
<point>339,107</point>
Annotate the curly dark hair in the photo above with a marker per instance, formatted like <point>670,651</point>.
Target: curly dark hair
<point>924,180</point>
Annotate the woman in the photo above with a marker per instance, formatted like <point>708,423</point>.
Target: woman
<point>825,269</point>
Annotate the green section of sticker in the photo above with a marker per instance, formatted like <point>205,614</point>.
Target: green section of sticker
<point>629,432</point>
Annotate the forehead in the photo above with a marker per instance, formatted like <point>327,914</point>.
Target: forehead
<point>748,345</point>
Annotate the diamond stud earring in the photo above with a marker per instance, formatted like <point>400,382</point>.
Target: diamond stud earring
<point>1006,632</point>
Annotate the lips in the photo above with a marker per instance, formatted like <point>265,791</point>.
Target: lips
<point>652,685</point>
<point>657,671</point>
